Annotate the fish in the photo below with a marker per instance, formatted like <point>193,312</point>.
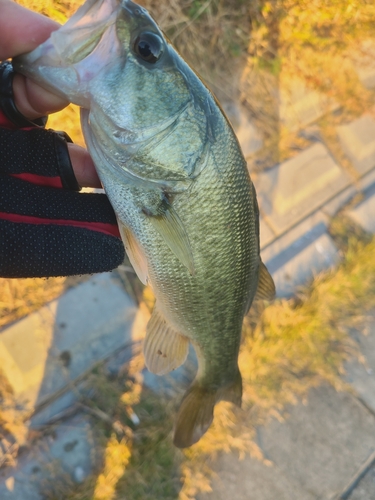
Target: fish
<point>173,170</point>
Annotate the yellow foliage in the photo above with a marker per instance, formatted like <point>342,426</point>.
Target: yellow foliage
<point>117,455</point>
<point>59,11</point>
<point>19,297</point>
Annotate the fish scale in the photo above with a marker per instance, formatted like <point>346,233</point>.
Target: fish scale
<point>176,177</point>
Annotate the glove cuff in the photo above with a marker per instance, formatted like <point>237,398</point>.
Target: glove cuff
<point>66,172</point>
<point>37,155</point>
<point>7,104</point>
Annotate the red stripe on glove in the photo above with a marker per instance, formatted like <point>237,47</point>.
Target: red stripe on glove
<point>101,227</point>
<point>5,123</point>
<point>40,180</point>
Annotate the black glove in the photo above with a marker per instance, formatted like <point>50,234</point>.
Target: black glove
<point>46,227</point>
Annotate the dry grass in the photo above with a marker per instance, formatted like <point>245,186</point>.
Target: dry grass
<point>315,41</point>
<point>19,297</point>
<point>212,35</point>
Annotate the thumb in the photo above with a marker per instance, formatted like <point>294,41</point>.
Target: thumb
<point>83,166</point>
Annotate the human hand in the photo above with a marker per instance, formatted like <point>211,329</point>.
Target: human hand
<point>21,30</point>
<point>46,227</point>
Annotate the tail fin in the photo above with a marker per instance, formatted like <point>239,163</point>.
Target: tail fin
<point>196,412</point>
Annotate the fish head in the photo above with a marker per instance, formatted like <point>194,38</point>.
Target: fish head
<point>111,55</point>
<point>141,103</point>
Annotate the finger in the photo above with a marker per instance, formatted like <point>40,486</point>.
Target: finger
<point>34,101</point>
<point>21,30</point>
<point>83,167</point>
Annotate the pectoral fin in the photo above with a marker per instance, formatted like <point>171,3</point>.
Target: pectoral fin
<point>266,287</point>
<point>164,348</point>
<point>168,224</point>
<point>135,253</point>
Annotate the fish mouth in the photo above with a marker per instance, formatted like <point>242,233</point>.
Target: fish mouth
<point>77,52</point>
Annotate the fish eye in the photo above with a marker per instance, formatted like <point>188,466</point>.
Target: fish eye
<point>149,47</point>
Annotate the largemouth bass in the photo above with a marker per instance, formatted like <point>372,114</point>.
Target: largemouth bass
<point>174,172</point>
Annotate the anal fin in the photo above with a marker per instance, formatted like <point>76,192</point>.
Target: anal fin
<point>164,348</point>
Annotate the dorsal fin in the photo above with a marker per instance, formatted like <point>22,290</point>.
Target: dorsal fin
<point>266,287</point>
